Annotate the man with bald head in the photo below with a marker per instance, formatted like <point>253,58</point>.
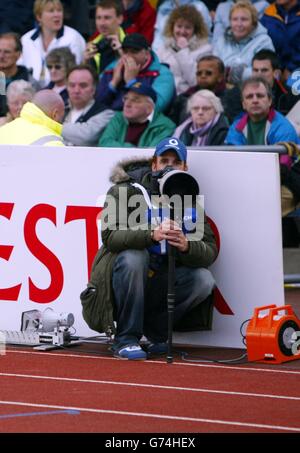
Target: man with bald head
<point>39,122</point>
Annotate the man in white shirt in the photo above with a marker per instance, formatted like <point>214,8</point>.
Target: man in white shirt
<point>86,118</point>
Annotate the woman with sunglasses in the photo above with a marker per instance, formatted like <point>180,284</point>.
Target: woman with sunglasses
<point>50,34</point>
<point>59,62</point>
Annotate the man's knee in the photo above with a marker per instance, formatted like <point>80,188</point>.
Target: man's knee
<point>203,282</point>
<point>132,260</point>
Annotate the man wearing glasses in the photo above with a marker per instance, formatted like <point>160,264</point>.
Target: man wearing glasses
<point>210,75</point>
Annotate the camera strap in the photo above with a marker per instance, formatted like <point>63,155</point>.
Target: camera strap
<point>163,245</point>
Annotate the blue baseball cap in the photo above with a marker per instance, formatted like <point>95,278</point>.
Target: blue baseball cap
<point>142,88</point>
<point>173,144</point>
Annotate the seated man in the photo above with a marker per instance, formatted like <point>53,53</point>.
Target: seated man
<point>139,124</point>
<point>210,75</point>
<point>10,51</point>
<point>86,118</point>
<point>106,43</point>
<point>266,64</point>
<point>138,63</point>
<point>129,275</point>
<point>260,124</point>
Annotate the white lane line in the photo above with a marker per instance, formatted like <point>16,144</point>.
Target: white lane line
<point>158,362</point>
<point>153,386</point>
<point>159,416</point>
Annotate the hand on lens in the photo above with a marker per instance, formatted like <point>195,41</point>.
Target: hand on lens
<point>171,231</point>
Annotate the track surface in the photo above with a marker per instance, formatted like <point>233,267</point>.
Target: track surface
<point>79,393</point>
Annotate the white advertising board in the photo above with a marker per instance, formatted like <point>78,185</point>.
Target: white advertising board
<point>49,202</point>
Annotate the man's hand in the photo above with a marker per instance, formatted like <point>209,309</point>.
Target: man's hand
<point>118,73</point>
<point>172,232</point>
<point>114,42</point>
<point>131,68</point>
<point>90,51</point>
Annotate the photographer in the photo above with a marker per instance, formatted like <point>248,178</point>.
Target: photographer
<point>129,274</point>
<point>106,45</point>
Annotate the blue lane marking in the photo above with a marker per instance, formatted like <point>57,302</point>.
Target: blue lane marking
<point>32,414</point>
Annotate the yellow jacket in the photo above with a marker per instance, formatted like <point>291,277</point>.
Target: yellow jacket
<point>97,57</point>
<point>33,127</point>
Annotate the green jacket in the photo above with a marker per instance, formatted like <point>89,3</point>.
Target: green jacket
<point>98,299</point>
<point>115,132</point>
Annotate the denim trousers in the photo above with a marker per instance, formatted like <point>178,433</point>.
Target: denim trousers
<point>141,300</point>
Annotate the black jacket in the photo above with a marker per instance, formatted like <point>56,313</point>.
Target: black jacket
<point>216,135</point>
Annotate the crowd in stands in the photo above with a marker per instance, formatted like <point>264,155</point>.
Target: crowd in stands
<point>208,72</point>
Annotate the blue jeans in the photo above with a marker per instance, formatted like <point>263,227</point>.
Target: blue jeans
<point>141,301</point>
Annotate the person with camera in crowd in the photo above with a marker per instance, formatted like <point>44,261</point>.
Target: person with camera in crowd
<point>129,275</point>
<point>105,47</point>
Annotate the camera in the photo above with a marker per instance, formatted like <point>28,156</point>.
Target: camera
<point>156,177</point>
<point>103,45</point>
<point>170,181</point>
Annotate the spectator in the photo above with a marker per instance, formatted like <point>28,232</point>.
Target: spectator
<point>10,51</point>
<point>38,124</point>
<point>165,9</point>
<point>18,93</point>
<point>138,63</point>
<point>282,20</point>
<point>260,124</point>
<point>86,118</point>
<point>59,62</point>
<point>210,75</point>
<point>139,17</point>
<point>207,124</point>
<point>266,64</point>
<point>186,40</point>
<point>222,21</point>
<point>131,267</point>
<point>242,40</point>
<point>139,124</point>
<point>50,34</point>
<point>16,16</point>
<point>105,47</point>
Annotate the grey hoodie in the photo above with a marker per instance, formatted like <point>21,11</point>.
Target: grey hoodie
<point>239,54</point>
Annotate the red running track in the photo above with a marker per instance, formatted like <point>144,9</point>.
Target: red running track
<point>38,391</point>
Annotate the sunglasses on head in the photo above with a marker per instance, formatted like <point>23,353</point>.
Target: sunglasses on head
<point>54,66</point>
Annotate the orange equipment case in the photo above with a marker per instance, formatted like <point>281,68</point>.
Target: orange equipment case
<point>273,337</point>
